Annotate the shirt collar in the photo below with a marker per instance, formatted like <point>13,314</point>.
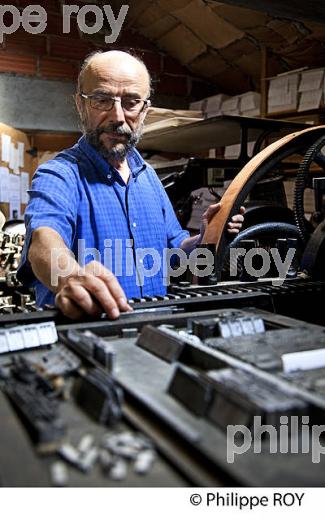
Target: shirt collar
<point>135,161</point>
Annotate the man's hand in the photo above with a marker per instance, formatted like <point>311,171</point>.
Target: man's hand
<point>234,226</point>
<point>91,290</point>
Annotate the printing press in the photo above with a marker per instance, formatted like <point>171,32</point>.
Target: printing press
<point>219,382</point>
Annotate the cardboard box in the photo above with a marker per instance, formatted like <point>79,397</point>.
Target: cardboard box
<point>283,93</point>
<point>208,115</point>
<point>210,105</point>
<point>198,105</point>
<point>250,101</point>
<point>256,112</point>
<point>214,103</point>
<point>311,99</point>
<point>231,106</point>
<point>232,113</point>
<point>311,80</point>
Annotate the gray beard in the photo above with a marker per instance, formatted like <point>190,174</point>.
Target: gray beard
<point>120,150</point>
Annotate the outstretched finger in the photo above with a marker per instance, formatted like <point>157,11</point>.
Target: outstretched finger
<point>116,291</point>
<point>111,283</point>
<point>100,291</point>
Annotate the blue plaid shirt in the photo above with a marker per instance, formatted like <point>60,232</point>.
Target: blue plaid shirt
<point>84,199</point>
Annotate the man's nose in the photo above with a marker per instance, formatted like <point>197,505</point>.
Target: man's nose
<point>116,114</point>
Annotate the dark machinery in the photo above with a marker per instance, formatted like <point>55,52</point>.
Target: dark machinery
<point>218,375</point>
<point>269,222</point>
<point>277,222</point>
<point>180,178</point>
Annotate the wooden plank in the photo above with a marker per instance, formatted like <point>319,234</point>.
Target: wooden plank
<point>264,82</point>
<point>210,133</point>
<point>53,141</point>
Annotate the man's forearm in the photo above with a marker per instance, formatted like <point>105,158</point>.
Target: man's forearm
<point>92,289</point>
<point>49,257</point>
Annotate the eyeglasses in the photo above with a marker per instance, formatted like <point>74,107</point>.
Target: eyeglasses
<point>129,105</point>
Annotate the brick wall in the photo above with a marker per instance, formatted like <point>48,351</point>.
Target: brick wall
<point>54,55</point>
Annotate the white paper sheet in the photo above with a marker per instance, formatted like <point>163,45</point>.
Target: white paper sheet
<point>4,184</point>
<point>5,147</point>
<point>12,158</point>
<point>14,188</point>
<point>21,155</point>
<point>24,186</point>
<point>16,162</point>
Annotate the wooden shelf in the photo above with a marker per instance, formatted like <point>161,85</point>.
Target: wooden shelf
<point>53,141</point>
<point>213,133</point>
<point>294,114</point>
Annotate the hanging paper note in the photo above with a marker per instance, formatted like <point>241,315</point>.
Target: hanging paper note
<point>21,155</point>
<point>16,162</point>
<point>5,147</point>
<point>4,184</point>
<point>12,158</point>
<point>14,188</point>
<point>24,186</point>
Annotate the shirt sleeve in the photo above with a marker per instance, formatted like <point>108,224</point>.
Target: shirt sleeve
<point>53,202</point>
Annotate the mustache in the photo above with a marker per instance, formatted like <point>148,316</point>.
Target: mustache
<point>116,129</point>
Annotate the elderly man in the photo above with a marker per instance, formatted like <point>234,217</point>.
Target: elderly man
<point>101,197</point>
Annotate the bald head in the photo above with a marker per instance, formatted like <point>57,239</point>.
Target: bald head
<point>117,67</point>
